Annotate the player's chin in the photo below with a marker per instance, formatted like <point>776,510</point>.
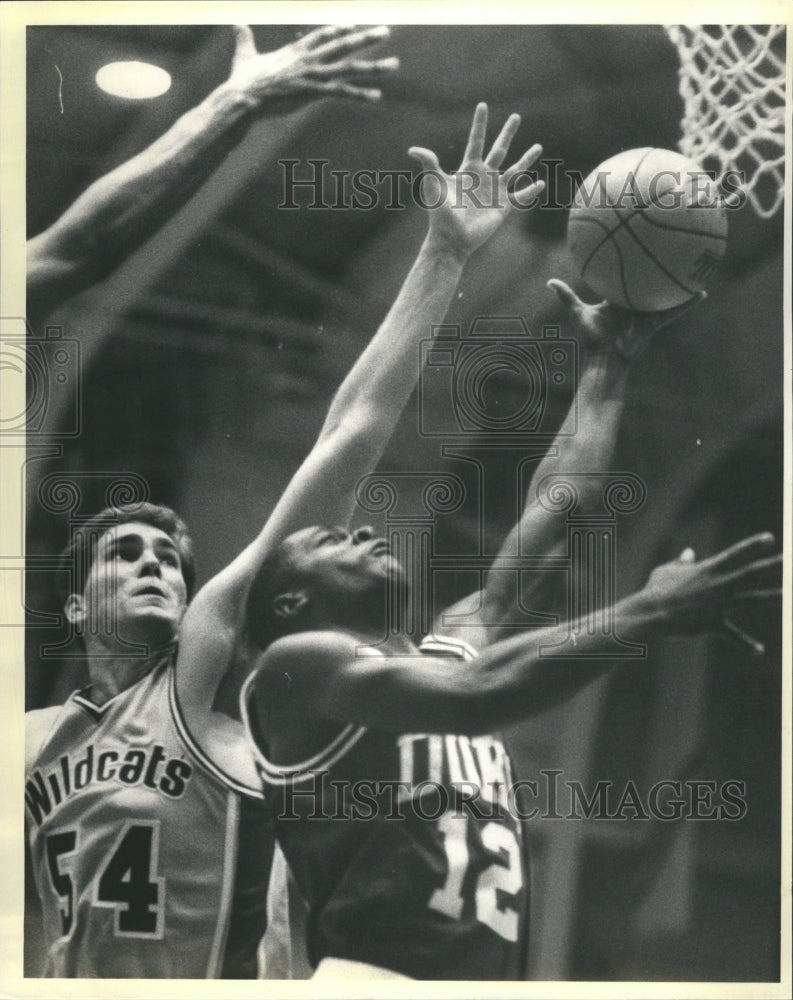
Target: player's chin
<point>390,566</point>
<point>154,625</point>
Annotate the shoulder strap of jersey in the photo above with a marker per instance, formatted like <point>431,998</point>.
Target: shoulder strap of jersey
<point>441,645</point>
<point>304,770</point>
<point>203,759</point>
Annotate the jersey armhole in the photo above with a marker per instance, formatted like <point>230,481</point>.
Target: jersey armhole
<point>203,759</point>
<point>304,770</point>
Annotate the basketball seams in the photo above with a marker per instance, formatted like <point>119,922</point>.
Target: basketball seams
<point>683,229</point>
<point>624,220</point>
<point>647,152</point>
<point>601,225</point>
<point>635,170</point>
<point>669,244</point>
<point>619,258</point>
<point>659,265</point>
<point>624,284</point>
<point>624,223</point>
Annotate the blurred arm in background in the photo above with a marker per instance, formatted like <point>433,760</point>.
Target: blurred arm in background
<point>123,208</point>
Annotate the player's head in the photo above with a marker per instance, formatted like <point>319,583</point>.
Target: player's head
<point>131,572</point>
<point>321,578</point>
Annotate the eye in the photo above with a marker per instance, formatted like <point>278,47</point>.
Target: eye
<point>128,550</point>
<point>170,558</point>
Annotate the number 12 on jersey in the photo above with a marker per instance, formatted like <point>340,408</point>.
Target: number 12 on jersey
<point>506,877</point>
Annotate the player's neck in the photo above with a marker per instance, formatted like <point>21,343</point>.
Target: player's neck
<point>112,672</point>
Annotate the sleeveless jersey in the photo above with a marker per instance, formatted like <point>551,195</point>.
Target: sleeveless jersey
<point>405,848</point>
<point>148,863</point>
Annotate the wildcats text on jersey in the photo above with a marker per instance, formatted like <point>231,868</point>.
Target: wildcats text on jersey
<point>149,766</point>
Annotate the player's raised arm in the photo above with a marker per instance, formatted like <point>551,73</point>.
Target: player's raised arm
<point>123,208</point>
<point>320,675</point>
<point>610,338</point>
<point>367,406</point>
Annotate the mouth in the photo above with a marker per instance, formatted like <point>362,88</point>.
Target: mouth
<point>150,591</point>
<point>380,548</point>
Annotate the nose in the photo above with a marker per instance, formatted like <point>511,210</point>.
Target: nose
<point>364,534</point>
<point>149,563</point>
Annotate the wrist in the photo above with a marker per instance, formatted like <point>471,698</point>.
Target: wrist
<point>233,100</point>
<point>446,248</point>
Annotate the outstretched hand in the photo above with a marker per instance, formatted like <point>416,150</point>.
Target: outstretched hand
<point>699,596</point>
<point>605,327</point>
<point>323,62</point>
<point>468,206</point>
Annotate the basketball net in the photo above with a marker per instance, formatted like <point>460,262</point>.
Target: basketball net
<point>732,81</point>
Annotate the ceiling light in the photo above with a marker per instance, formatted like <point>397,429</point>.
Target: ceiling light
<point>133,80</point>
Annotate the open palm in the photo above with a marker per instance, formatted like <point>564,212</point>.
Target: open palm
<point>468,206</point>
<point>324,63</point>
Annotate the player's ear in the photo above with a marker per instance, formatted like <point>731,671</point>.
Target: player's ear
<point>74,609</point>
<point>289,606</point>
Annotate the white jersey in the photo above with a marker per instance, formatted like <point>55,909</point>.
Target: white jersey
<point>148,863</point>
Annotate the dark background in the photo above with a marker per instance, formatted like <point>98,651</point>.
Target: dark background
<point>208,359</point>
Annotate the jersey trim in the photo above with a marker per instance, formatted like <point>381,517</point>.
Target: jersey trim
<point>96,712</point>
<point>445,646</point>
<point>288,774</point>
<point>206,762</point>
<point>227,891</point>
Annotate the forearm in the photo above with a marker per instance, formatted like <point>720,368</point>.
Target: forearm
<point>585,443</point>
<point>120,210</point>
<point>382,379</point>
<point>587,437</point>
<point>519,677</point>
<point>509,681</point>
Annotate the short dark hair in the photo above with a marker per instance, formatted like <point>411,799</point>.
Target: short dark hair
<point>77,557</point>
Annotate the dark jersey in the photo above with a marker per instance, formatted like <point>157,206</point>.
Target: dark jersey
<point>405,848</point>
<point>147,862</point>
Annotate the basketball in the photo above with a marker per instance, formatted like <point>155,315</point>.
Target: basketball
<point>647,229</point>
